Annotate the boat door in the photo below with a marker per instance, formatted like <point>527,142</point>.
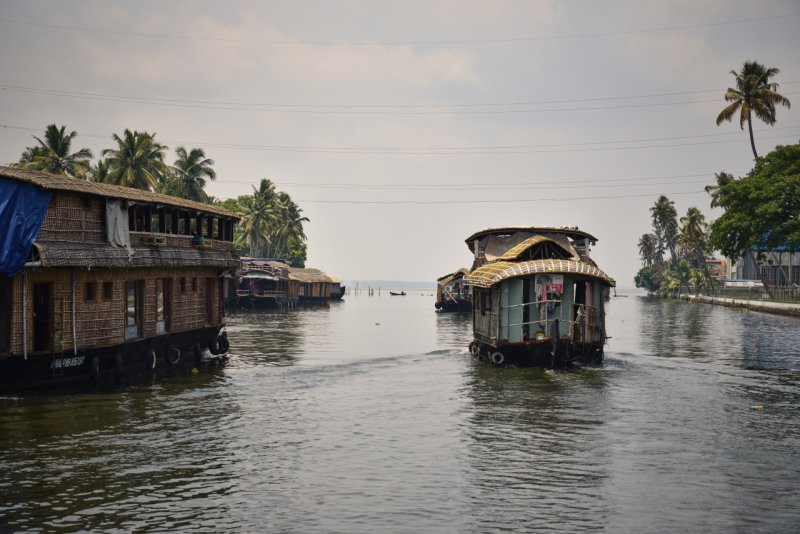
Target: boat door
<point>5,313</point>
<point>42,317</point>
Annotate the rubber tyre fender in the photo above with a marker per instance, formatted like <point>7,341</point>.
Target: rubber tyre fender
<point>174,356</point>
<point>474,349</point>
<point>498,358</point>
<point>150,360</point>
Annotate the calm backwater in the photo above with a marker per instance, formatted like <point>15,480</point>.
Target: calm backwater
<point>369,416</point>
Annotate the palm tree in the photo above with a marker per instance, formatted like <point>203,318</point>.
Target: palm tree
<point>289,225</point>
<point>665,223</point>
<point>693,236</point>
<point>189,175</point>
<point>648,246</point>
<point>754,94</point>
<point>53,154</point>
<point>258,215</point>
<point>137,162</point>
<point>716,191</point>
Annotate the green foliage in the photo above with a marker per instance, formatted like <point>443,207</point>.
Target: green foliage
<point>762,209</point>
<point>646,279</point>
<point>138,161</point>
<point>54,154</point>
<point>755,95</point>
<point>687,243</point>
<point>188,175</point>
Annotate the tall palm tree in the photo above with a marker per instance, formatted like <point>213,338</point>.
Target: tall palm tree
<point>754,94</point>
<point>189,174</point>
<point>53,154</point>
<point>258,216</point>
<point>289,225</point>
<point>665,223</point>
<point>648,245</point>
<point>694,236</point>
<point>138,161</point>
<point>716,191</point>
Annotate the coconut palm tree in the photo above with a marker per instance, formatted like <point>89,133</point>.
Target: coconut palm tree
<point>138,161</point>
<point>289,225</point>
<point>53,154</point>
<point>648,246</point>
<point>754,94</point>
<point>189,174</point>
<point>694,237</point>
<point>258,215</point>
<point>665,223</point>
<point>716,191</point>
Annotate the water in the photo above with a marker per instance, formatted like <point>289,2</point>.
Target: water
<point>369,416</point>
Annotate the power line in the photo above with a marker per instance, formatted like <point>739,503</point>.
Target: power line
<point>248,105</point>
<point>399,42</point>
<point>502,201</point>
<point>464,150</point>
<point>187,104</point>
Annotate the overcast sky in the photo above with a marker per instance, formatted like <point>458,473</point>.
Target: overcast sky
<point>395,124</point>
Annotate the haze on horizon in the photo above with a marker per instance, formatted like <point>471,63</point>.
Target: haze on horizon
<point>403,127</point>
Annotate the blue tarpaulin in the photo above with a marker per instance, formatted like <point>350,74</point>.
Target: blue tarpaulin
<point>22,210</point>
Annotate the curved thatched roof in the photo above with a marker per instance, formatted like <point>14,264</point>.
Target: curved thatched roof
<point>52,182</point>
<point>515,252</point>
<point>446,279</point>
<point>495,272</point>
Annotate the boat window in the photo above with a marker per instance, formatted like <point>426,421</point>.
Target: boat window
<point>90,291</point>
<point>163,303</point>
<point>133,309</point>
<point>108,290</point>
<point>194,283</point>
<point>183,284</point>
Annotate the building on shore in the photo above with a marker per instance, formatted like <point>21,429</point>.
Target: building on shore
<point>100,282</point>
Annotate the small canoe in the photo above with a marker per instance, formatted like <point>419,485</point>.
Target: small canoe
<point>395,294</point>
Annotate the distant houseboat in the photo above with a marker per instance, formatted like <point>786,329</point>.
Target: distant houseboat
<point>538,298</point>
<point>453,293</point>
<point>262,283</point>
<point>102,282</point>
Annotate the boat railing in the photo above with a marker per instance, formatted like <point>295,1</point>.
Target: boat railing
<point>261,294</point>
<point>581,316</point>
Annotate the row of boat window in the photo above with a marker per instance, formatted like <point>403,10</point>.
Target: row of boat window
<point>144,218</point>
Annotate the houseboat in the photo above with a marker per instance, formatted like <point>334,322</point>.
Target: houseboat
<point>309,285</point>
<point>453,293</point>
<point>262,283</point>
<point>101,282</point>
<point>538,298</point>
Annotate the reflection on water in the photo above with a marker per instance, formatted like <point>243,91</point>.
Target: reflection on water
<point>369,415</point>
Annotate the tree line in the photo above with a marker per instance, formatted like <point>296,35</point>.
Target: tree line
<point>761,209</point>
<point>271,222</point>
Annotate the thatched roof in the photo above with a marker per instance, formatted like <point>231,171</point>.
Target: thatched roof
<point>103,255</point>
<point>52,182</point>
<point>495,272</point>
<point>309,276</point>
<point>515,252</point>
<point>570,231</point>
<point>446,279</point>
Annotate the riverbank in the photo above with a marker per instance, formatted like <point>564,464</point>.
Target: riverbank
<point>780,308</point>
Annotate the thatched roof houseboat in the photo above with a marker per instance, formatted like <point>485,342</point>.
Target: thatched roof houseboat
<point>538,298</point>
<point>262,283</point>
<point>453,293</point>
<point>99,282</point>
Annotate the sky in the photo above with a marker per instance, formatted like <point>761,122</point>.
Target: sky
<point>402,127</point>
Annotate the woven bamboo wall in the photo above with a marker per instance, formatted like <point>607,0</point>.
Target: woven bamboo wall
<point>101,321</point>
<point>73,217</point>
<point>486,323</point>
